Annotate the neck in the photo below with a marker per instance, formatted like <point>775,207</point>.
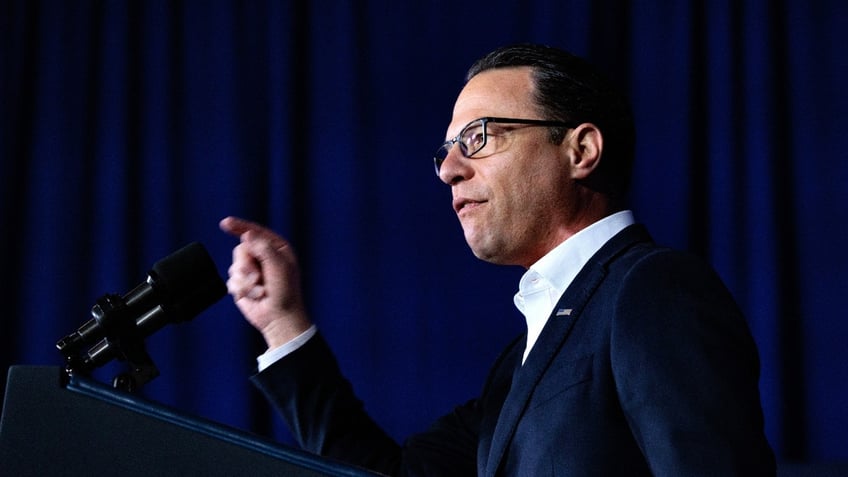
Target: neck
<point>589,208</point>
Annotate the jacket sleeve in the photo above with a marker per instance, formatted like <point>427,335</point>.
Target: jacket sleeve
<point>324,415</point>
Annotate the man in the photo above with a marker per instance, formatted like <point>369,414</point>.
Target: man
<point>636,360</point>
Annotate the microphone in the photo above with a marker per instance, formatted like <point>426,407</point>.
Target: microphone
<point>177,288</point>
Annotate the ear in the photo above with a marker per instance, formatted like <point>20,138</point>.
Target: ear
<point>585,145</point>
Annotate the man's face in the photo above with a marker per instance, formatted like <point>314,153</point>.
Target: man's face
<point>513,197</point>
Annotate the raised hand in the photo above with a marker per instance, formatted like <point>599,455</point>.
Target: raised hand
<point>264,280</point>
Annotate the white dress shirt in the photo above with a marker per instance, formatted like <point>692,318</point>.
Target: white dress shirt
<point>545,281</point>
<point>273,355</point>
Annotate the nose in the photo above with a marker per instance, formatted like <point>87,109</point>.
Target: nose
<point>455,168</point>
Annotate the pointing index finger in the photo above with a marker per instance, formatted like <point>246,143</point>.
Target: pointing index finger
<point>236,226</point>
<point>248,231</point>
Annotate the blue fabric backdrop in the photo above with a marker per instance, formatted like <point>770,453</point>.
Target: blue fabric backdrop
<point>128,129</point>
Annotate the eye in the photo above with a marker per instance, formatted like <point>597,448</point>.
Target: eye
<point>473,138</point>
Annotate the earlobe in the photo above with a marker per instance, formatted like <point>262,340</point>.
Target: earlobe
<point>586,144</point>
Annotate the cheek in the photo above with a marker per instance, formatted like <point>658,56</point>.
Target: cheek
<point>526,183</point>
<point>532,184</point>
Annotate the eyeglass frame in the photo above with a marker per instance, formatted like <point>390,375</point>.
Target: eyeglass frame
<point>463,148</point>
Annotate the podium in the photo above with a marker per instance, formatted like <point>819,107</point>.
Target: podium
<point>51,427</point>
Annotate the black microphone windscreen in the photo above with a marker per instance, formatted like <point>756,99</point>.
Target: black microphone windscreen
<point>187,282</point>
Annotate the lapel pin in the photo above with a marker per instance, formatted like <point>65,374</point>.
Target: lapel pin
<point>563,312</point>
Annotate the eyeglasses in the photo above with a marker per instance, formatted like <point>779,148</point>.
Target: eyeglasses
<point>474,136</point>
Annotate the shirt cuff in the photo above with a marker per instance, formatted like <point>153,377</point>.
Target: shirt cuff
<point>271,356</point>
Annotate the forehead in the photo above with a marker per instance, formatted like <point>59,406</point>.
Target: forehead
<point>505,92</point>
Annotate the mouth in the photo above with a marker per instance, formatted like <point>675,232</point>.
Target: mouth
<point>461,204</point>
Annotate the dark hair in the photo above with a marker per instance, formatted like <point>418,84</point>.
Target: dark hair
<point>569,89</point>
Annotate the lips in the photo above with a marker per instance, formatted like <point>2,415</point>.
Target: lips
<point>462,203</point>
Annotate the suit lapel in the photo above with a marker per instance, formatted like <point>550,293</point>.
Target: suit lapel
<point>552,338</point>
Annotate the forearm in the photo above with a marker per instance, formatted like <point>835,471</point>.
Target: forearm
<point>321,410</point>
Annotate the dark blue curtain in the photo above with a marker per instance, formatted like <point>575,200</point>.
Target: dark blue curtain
<point>128,129</point>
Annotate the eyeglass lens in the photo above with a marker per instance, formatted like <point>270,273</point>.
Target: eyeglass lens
<point>471,139</point>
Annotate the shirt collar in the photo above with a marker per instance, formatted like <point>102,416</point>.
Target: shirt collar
<point>561,265</point>
<point>565,261</point>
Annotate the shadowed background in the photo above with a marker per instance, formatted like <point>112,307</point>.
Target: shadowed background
<point>128,129</point>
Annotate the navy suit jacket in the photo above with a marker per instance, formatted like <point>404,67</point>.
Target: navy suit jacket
<point>645,367</point>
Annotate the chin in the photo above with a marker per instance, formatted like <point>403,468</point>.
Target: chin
<point>487,248</point>
<point>489,254</point>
